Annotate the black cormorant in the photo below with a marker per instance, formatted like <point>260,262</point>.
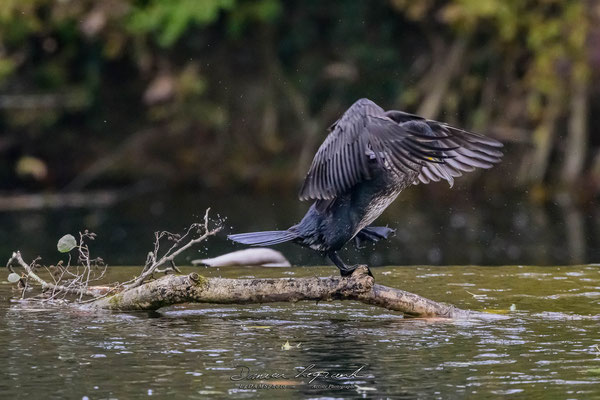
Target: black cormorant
<point>368,158</point>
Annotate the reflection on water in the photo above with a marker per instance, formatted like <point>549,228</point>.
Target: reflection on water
<point>547,348</point>
<point>495,231</point>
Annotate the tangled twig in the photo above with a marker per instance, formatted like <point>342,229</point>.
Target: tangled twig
<point>16,257</point>
<point>77,279</point>
<point>153,262</point>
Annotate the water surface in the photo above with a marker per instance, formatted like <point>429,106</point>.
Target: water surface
<point>548,347</point>
<point>454,229</point>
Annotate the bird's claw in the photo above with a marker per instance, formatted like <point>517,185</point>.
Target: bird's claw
<point>350,270</point>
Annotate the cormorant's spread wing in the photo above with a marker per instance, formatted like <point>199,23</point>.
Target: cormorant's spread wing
<point>361,134</point>
<point>464,150</point>
<point>404,143</point>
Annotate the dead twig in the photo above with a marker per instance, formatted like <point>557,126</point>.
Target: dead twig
<point>77,279</point>
<point>153,261</point>
<point>16,257</point>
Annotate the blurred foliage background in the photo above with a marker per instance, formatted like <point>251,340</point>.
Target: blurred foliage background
<point>237,95</point>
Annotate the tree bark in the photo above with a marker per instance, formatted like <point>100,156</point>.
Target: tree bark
<point>534,168</point>
<point>193,288</point>
<point>577,138</point>
<point>441,75</point>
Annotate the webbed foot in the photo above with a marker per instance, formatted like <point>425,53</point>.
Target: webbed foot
<point>349,270</point>
<point>345,270</point>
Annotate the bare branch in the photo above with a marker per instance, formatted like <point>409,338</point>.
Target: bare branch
<point>77,279</point>
<point>16,257</point>
<point>176,249</point>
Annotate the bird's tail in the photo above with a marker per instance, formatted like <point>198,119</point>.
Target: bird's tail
<point>266,238</point>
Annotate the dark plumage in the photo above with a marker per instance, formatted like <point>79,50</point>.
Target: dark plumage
<point>368,158</point>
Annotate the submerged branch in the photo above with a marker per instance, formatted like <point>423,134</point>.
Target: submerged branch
<point>192,288</point>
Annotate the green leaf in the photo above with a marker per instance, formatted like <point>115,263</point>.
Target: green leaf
<point>13,277</point>
<point>169,20</point>
<point>66,243</point>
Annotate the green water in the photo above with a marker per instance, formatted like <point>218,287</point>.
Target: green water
<point>548,348</point>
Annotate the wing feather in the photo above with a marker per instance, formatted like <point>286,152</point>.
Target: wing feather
<point>405,143</point>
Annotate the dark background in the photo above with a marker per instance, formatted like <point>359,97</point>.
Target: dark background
<point>127,117</point>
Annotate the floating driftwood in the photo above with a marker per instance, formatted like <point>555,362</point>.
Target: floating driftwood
<point>260,256</point>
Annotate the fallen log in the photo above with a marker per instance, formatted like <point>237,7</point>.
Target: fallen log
<point>193,288</point>
<point>144,293</point>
